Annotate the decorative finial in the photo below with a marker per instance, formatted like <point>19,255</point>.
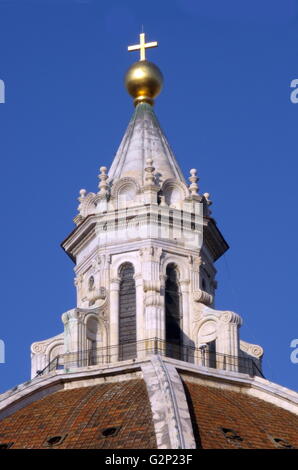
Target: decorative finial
<point>149,178</point>
<point>103,185</point>
<point>193,179</point>
<point>209,202</point>
<point>81,200</point>
<point>82,194</point>
<point>143,79</point>
<point>207,196</point>
<point>142,46</point>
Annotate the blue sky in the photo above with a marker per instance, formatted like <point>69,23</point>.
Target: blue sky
<point>226,110</point>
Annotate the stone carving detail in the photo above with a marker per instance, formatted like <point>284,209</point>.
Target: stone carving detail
<point>96,262</point>
<point>80,314</point>
<point>252,349</point>
<point>174,191</point>
<point>151,253</point>
<point>231,317</point>
<point>209,202</point>
<point>207,332</point>
<point>149,172</point>
<point>72,314</point>
<point>103,184</point>
<point>153,286</point>
<point>124,182</point>
<point>78,219</point>
<point>86,205</point>
<point>153,299</point>
<point>196,261</point>
<point>78,281</point>
<point>38,348</point>
<point>97,294</point>
<point>81,199</point>
<point>193,187</point>
<point>41,347</point>
<point>203,297</point>
<point>89,203</point>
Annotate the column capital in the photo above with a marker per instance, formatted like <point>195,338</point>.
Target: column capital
<point>115,283</point>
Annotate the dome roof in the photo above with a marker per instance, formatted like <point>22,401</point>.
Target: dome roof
<point>105,416</point>
<point>118,415</point>
<point>225,419</point>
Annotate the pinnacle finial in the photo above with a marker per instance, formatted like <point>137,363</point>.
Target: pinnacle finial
<point>209,202</point>
<point>143,79</point>
<point>103,185</point>
<point>193,179</point>
<point>82,193</point>
<point>149,178</point>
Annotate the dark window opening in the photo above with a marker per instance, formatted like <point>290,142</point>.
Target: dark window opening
<point>127,313</point>
<point>92,353</point>
<point>211,348</point>
<point>231,434</point>
<point>91,283</point>
<point>193,224</point>
<point>55,440</point>
<point>282,443</point>
<point>110,432</point>
<point>173,315</point>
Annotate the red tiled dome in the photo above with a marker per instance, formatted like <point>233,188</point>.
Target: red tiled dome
<point>80,416</point>
<point>226,419</point>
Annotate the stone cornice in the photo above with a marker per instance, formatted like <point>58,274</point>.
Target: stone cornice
<point>79,235</point>
<point>214,239</point>
<point>39,387</point>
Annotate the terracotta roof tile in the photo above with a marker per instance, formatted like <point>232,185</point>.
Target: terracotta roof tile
<point>81,414</point>
<point>255,422</point>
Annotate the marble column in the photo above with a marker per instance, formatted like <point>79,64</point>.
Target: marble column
<point>140,326</point>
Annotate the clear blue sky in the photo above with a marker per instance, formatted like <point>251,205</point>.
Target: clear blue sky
<point>226,110</point>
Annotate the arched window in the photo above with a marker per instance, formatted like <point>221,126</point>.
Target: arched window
<point>127,313</point>
<point>93,341</point>
<point>173,313</point>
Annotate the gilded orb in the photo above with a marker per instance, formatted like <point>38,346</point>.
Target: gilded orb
<point>143,81</point>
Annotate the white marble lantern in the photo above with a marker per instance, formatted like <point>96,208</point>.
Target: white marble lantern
<point>144,249</point>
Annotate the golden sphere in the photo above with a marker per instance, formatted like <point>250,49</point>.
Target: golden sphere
<point>143,81</point>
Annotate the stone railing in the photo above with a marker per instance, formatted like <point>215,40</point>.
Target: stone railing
<point>141,349</point>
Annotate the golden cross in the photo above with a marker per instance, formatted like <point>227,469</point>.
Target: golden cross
<point>142,46</point>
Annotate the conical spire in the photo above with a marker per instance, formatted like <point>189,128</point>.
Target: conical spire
<point>144,139</point>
